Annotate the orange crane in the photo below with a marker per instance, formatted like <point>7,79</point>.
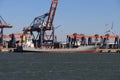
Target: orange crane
<point>42,29</point>
<point>74,38</point>
<point>49,24</point>
<point>3,25</point>
<point>79,36</point>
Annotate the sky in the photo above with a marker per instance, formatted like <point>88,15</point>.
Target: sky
<point>87,17</point>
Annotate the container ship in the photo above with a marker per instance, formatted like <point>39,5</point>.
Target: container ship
<point>73,46</point>
<point>43,37</point>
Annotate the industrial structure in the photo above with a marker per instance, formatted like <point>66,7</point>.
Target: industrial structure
<point>3,25</point>
<point>42,29</point>
<point>98,40</point>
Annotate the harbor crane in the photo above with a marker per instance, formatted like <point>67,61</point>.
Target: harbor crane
<point>3,25</point>
<point>42,29</point>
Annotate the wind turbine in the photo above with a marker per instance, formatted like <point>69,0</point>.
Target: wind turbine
<point>110,30</point>
<point>57,27</point>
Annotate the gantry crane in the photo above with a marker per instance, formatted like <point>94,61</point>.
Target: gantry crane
<point>3,25</point>
<point>42,28</point>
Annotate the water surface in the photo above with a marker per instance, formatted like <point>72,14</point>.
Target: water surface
<point>51,66</point>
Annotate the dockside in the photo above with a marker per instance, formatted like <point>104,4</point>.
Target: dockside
<point>7,50</point>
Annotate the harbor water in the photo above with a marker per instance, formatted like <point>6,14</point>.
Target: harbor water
<point>67,66</point>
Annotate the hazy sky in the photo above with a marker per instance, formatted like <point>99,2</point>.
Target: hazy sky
<point>81,16</point>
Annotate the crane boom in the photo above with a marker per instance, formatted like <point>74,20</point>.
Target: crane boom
<point>52,11</point>
<point>42,29</point>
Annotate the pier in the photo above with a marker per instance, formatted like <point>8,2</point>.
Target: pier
<point>108,50</point>
<point>7,50</point>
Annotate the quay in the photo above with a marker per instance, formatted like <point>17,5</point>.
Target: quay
<point>108,50</point>
<point>98,50</point>
<point>7,50</point>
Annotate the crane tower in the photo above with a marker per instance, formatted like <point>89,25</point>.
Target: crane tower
<point>3,25</point>
<point>42,29</point>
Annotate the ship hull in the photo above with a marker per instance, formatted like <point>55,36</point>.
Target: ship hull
<point>82,49</point>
